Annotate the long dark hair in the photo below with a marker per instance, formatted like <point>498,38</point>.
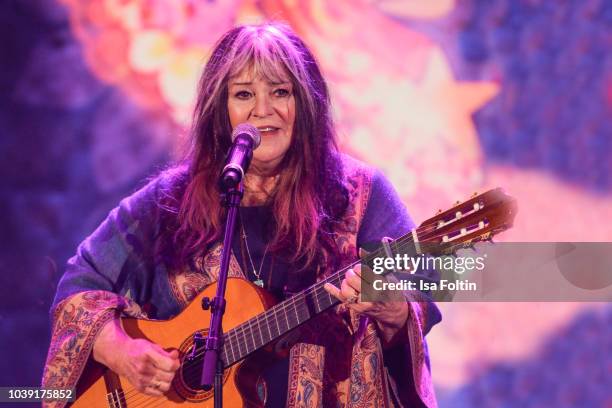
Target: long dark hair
<point>310,197</point>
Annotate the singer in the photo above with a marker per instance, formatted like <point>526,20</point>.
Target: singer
<point>306,211</point>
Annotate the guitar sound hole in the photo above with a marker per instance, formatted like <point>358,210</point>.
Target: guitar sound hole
<point>191,372</point>
<point>187,381</point>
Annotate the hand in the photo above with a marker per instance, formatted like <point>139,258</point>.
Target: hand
<point>390,316</point>
<point>148,367</point>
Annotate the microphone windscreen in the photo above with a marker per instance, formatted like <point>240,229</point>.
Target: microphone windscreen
<point>248,130</point>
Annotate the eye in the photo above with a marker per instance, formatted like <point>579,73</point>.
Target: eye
<point>282,92</point>
<point>242,94</point>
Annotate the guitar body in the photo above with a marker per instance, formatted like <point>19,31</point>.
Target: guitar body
<point>100,387</point>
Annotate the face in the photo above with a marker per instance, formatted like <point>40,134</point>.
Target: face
<point>270,107</point>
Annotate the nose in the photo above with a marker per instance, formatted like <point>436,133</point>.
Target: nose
<point>263,106</point>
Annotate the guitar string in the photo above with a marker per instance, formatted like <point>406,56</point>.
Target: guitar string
<point>271,315</point>
<point>315,287</point>
<point>139,399</point>
<point>241,329</point>
<point>293,301</point>
<point>285,306</point>
<point>301,311</point>
<point>188,372</point>
<point>190,366</point>
<point>145,400</point>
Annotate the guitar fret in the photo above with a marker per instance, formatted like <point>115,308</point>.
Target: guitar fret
<point>297,316</point>
<point>302,309</point>
<point>227,348</point>
<point>260,333</point>
<point>277,323</point>
<point>306,307</point>
<point>321,295</point>
<point>330,298</point>
<point>287,320</point>
<point>110,397</point>
<point>268,326</point>
<point>250,330</point>
<point>223,356</point>
<point>288,317</point>
<point>239,340</point>
<point>230,339</point>
<point>265,335</point>
<point>298,311</point>
<point>119,404</point>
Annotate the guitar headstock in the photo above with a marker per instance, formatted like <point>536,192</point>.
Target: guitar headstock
<point>474,220</point>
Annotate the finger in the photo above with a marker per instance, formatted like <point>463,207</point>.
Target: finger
<point>363,253</point>
<point>334,291</point>
<point>162,359</point>
<point>362,271</point>
<point>143,368</point>
<point>354,272</point>
<point>163,376</point>
<point>353,280</point>
<point>347,291</point>
<point>153,391</point>
<point>162,386</point>
<point>362,307</point>
<point>175,356</point>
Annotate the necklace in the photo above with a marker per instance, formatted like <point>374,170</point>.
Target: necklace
<point>257,272</point>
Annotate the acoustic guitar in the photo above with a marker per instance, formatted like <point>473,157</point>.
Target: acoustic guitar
<point>253,320</point>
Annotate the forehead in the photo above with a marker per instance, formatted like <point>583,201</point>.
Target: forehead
<point>272,73</point>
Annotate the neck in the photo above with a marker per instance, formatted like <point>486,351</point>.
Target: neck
<point>258,188</point>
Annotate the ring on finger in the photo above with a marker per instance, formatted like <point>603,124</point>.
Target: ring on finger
<point>352,299</point>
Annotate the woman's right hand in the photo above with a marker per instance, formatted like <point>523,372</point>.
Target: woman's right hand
<point>146,365</point>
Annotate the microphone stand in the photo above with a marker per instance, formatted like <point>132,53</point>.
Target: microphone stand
<point>213,365</point>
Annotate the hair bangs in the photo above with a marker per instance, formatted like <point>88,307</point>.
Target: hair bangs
<point>263,53</point>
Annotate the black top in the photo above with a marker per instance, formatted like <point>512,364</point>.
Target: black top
<point>257,223</point>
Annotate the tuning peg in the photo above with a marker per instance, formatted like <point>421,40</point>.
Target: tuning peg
<point>458,202</point>
<point>439,212</point>
<point>487,237</point>
<point>475,194</point>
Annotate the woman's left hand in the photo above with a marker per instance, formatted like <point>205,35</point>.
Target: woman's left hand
<point>390,316</point>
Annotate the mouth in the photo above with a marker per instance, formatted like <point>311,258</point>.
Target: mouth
<point>267,129</point>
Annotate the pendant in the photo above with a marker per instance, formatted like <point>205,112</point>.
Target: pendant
<point>259,283</point>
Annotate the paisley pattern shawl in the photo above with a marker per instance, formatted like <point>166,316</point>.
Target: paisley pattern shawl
<point>188,283</point>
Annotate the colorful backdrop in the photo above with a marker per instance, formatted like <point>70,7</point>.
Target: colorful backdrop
<point>446,97</point>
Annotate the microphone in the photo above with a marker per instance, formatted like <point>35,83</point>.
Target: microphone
<point>245,139</point>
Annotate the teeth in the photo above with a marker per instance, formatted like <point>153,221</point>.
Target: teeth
<point>267,129</point>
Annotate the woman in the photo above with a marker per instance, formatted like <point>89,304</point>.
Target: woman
<point>306,209</point>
